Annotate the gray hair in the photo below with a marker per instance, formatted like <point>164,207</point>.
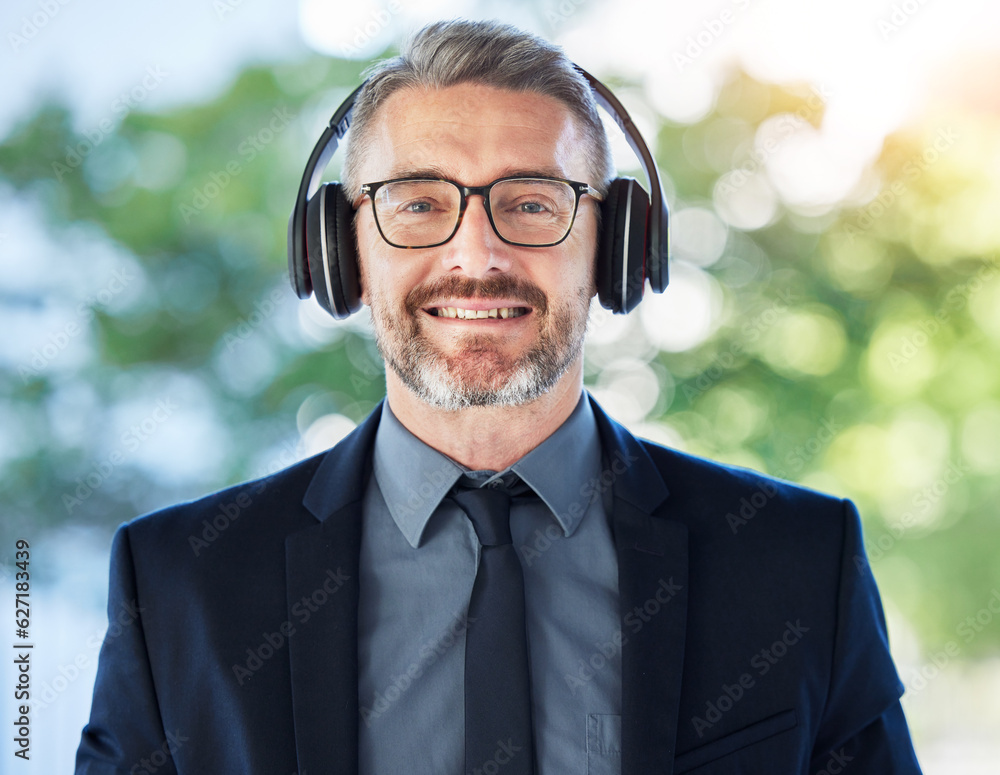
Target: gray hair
<point>486,52</point>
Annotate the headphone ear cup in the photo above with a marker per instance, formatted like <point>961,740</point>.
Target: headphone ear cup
<point>314,249</point>
<point>621,258</point>
<point>347,253</point>
<point>298,266</point>
<point>331,251</point>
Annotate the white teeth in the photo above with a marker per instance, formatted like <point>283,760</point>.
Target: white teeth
<point>479,314</point>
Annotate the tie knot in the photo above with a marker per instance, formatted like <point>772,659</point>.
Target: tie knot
<point>489,509</point>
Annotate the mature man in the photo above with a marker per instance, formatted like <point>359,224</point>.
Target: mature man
<point>490,575</point>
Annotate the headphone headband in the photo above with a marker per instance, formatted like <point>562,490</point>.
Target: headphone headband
<point>658,244</point>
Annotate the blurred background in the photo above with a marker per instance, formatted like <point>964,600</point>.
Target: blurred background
<point>833,315</point>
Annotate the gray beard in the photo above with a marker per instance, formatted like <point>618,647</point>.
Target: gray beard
<point>490,380</point>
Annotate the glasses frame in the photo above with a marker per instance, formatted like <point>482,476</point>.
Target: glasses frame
<point>579,189</point>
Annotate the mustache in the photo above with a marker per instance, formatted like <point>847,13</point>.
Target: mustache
<point>500,287</point>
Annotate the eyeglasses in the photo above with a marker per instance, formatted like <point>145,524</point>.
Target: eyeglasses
<point>423,213</point>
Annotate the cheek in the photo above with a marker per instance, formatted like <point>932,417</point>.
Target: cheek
<point>579,265</point>
<point>387,274</point>
<point>370,260</point>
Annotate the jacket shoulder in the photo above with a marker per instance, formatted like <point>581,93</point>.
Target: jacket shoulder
<point>712,495</point>
<point>686,466</point>
<point>275,498</point>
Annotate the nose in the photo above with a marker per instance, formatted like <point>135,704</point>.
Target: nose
<point>476,250</point>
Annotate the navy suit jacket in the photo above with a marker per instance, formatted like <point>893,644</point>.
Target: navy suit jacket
<point>753,639</point>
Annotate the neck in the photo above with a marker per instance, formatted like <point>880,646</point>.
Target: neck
<point>487,438</point>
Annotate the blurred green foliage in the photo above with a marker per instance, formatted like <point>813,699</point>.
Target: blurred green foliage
<point>856,351</point>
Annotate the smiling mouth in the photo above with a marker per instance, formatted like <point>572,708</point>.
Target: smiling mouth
<point>478,314</point>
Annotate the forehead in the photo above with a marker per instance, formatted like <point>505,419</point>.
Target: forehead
<point>473,133</point>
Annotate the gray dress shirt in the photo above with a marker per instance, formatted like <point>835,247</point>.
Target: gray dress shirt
<point>419,555</point>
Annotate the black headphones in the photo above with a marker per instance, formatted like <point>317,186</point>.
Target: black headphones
<point>634,242</point>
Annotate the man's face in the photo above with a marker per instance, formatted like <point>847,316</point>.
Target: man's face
<point>474,134</point>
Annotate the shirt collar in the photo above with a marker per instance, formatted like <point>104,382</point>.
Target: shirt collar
<point>564,470</point>
<point>412,476</point>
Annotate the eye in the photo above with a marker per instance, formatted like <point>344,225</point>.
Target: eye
<point>531,208</point>
<point>421,206</point>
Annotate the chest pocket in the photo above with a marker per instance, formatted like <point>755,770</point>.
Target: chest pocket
<point>604,744</point>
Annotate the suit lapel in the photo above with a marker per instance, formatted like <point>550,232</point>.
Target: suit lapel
<point>321,573</point>
<point>653,593</point>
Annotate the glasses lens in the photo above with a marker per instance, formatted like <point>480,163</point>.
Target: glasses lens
<point>417,213</point>
<point>533,211</point>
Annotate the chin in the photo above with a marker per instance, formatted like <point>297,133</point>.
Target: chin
<point>439,387</point>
